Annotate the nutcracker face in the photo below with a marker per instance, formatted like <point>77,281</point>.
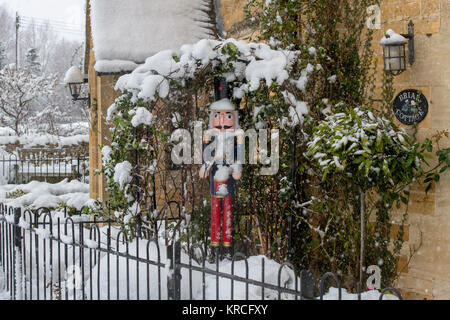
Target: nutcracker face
<point>223,120</point>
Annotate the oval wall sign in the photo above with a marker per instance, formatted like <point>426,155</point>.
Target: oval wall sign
<point>410,107</point>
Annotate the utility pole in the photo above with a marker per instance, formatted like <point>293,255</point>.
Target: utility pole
<point>17,39</point>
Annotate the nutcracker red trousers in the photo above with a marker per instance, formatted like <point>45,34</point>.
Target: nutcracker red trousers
<point>221,206</point>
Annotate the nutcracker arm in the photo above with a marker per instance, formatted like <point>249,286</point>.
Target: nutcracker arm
<point>207,161</point>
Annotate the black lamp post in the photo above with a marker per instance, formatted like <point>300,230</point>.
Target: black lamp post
<point>394,50</point>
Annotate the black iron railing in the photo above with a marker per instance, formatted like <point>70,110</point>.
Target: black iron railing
<point>40,167</point>
<point>49,255</point>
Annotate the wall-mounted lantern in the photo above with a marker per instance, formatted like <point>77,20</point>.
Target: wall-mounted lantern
<point>76,80</point>
<point>394,50</point>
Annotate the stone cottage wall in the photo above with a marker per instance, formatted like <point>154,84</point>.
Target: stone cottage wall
<point>427,275</point>
<point>425,262</point>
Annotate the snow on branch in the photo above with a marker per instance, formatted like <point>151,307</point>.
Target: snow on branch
<point>254,64</point>
<point>19,88</point>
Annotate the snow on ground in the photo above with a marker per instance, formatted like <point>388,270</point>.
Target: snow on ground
<point>367,295</point>
<point>141,277</point>
<point>4,131</point>
<point>149,280</point>
<point>43,194</point>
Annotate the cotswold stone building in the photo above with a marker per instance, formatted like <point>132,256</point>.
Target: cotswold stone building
<point>428,233</point>
<point>425,263</point>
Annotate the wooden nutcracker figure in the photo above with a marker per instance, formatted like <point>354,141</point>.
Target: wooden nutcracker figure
<point>223,157</point>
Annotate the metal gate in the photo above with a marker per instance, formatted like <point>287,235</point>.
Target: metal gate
<point>47,255</point>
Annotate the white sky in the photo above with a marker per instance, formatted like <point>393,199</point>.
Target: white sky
<point>63,11</point>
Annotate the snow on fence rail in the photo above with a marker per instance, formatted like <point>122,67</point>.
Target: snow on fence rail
<point>46,256</point>
<point>18,170</point>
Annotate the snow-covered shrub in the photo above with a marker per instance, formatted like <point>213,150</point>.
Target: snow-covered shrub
<point>361,155</point>
<point>19,89</point>
<point>365,148</point>
<point>126,165</point>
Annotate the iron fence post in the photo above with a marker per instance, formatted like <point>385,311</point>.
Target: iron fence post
<point>177,270</point>
<point>174,276</point>
<point>16,173</point>
<point>78,168</point>
<point>306,285</point>
<point>17,255</point>
<point>170,280</point>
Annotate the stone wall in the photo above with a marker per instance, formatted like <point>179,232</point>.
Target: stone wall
<point>429,224</point>
<point>233,17</point>
<point>424,273</point>
<point>101,88</point>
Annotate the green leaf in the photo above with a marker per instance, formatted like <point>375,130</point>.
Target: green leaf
<point>385,167</point>
<point>404,200</point>
<point>367,165</point>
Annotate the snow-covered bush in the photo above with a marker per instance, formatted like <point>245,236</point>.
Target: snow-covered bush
<point>19,89</point>
<point>365,148</point>
<point>362,156</point>
<point>128,165</point>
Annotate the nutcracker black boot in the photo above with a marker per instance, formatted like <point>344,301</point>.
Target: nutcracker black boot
<point>213,253</point>
<point>227,253</point>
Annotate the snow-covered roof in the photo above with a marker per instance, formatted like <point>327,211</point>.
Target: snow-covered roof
<point>133,30</point>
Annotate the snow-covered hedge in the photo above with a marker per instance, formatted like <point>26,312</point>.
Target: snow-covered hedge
<point>369,149</point>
